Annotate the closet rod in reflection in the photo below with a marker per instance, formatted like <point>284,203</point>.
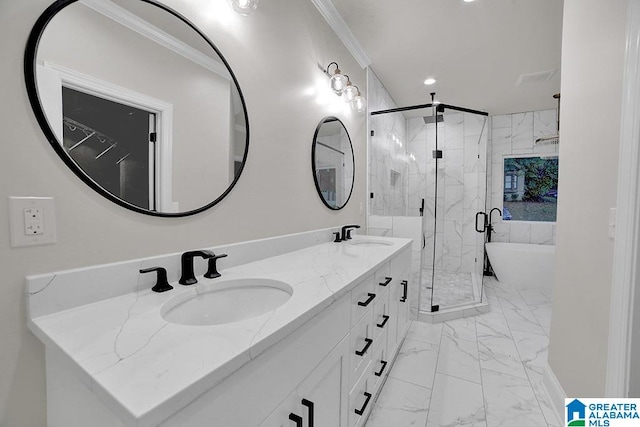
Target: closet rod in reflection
<point>329,147</point>
<point>89,132</point>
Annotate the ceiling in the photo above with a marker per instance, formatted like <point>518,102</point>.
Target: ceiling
<point>476,51</point>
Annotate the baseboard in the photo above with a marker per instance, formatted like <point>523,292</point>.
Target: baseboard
<point>555,392</point>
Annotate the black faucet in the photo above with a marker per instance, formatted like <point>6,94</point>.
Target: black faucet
<point>212,271</point>
<point>188,277</point>
<point>346,232</point>
<point>162,285</point>
<point>490,226</point>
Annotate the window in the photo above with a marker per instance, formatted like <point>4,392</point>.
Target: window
<point>510,182</point>
<point>530,188</point>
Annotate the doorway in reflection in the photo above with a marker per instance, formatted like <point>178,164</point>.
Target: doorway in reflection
<point>113,143</point>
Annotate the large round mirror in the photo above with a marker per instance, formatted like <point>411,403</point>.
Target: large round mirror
<point>138,103</point>
<point>333,163</point>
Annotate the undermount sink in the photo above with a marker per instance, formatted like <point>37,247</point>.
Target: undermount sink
<point>370,243</point>
<point>227,302</point>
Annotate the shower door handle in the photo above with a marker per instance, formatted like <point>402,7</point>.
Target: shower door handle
<point>421,208</point>
<point>484,224</point>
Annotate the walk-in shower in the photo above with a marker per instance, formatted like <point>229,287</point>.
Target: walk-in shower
<point>427,168</point>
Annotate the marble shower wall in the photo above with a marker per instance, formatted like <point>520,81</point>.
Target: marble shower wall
<point>388,159</point>
<point>462,137</point>
<point>516,134</point>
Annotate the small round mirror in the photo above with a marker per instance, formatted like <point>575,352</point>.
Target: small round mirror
<point>333,163</point>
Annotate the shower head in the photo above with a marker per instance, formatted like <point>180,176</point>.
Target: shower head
<point>548,140</point>
<point>432,119</point>
<point>553,139</point>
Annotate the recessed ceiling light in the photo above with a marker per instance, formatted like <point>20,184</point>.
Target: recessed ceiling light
<point>468,1</point>
<point>429,81</point>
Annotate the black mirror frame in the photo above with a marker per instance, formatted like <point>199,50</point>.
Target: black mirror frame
<point>34,99</point>
<point>313,162</point>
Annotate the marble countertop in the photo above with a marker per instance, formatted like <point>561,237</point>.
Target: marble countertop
<point>146,369</point>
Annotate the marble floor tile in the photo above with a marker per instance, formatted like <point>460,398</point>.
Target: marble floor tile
<point>510,401</point>
<point>542,313</point>
<point>532,349</point>
<point>416,363</point>
<point>498,353</point>
<point>519,318</point>
<point>488,372</point>
<point>459,358</point>
<point>425,332</point>
<point>455,403</point>
<point>463,329</point>
<point>400,404</point>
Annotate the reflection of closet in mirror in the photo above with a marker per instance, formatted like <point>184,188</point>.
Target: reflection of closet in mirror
<point>330,164</point>
<point>113,143</point>
<point>114,112</point>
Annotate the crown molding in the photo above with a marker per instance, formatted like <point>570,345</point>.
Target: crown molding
<point>145,29</point>
<point>342,30</point>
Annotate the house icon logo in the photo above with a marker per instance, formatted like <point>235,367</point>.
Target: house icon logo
<point>576,413</point>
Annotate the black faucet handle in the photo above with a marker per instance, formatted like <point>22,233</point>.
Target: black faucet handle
<point>162,284</point>
<point>346,235</point>
<point>212,271</point>
<point>337,239</point>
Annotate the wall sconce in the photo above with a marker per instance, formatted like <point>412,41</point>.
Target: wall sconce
<point>359,103</point>
<point>341,85</point>
<point>244,7</point>
<point>338,80</point>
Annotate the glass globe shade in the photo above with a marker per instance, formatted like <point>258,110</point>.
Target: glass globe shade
<point>359,103</point>
<point>338,82</point>
<point>244,7</point>
<point>350,92</point>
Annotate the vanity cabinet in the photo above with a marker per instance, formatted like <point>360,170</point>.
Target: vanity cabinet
<point>323,372</point>
<point>318,400</point>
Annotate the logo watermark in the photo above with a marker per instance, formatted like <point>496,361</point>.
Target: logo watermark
<point>602,412</point>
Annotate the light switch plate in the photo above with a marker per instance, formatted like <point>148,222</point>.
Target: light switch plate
<point>32,221</point>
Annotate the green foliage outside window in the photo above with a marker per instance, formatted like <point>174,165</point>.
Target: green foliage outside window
<point>535,197</point>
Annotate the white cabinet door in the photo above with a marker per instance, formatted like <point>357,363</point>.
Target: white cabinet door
<point>321,399</point>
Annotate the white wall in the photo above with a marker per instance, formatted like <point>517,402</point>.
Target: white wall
<point>593,46</point>
<point>275,54</point>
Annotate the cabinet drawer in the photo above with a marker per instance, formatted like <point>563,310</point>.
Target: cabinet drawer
<point>381,317</point>
<point>360,347</point>
<point>380,363</point>
<point>361,400</point>
<point>382,278</point>
<point>363,297</point>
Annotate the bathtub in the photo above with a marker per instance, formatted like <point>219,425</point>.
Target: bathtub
<point>521,264</point>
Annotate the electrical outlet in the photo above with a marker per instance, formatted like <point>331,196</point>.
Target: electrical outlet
<point>32,221</point>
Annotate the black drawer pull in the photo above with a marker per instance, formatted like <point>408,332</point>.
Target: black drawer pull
<point>366,402</point>
<point>379,373</point>
<point>309,404</point>
<point>384,322</point>
<point>296,419</point>
<point>387,280</point>
<point>366,347</point>
<point>368,301</point>
<point>405,284</point>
